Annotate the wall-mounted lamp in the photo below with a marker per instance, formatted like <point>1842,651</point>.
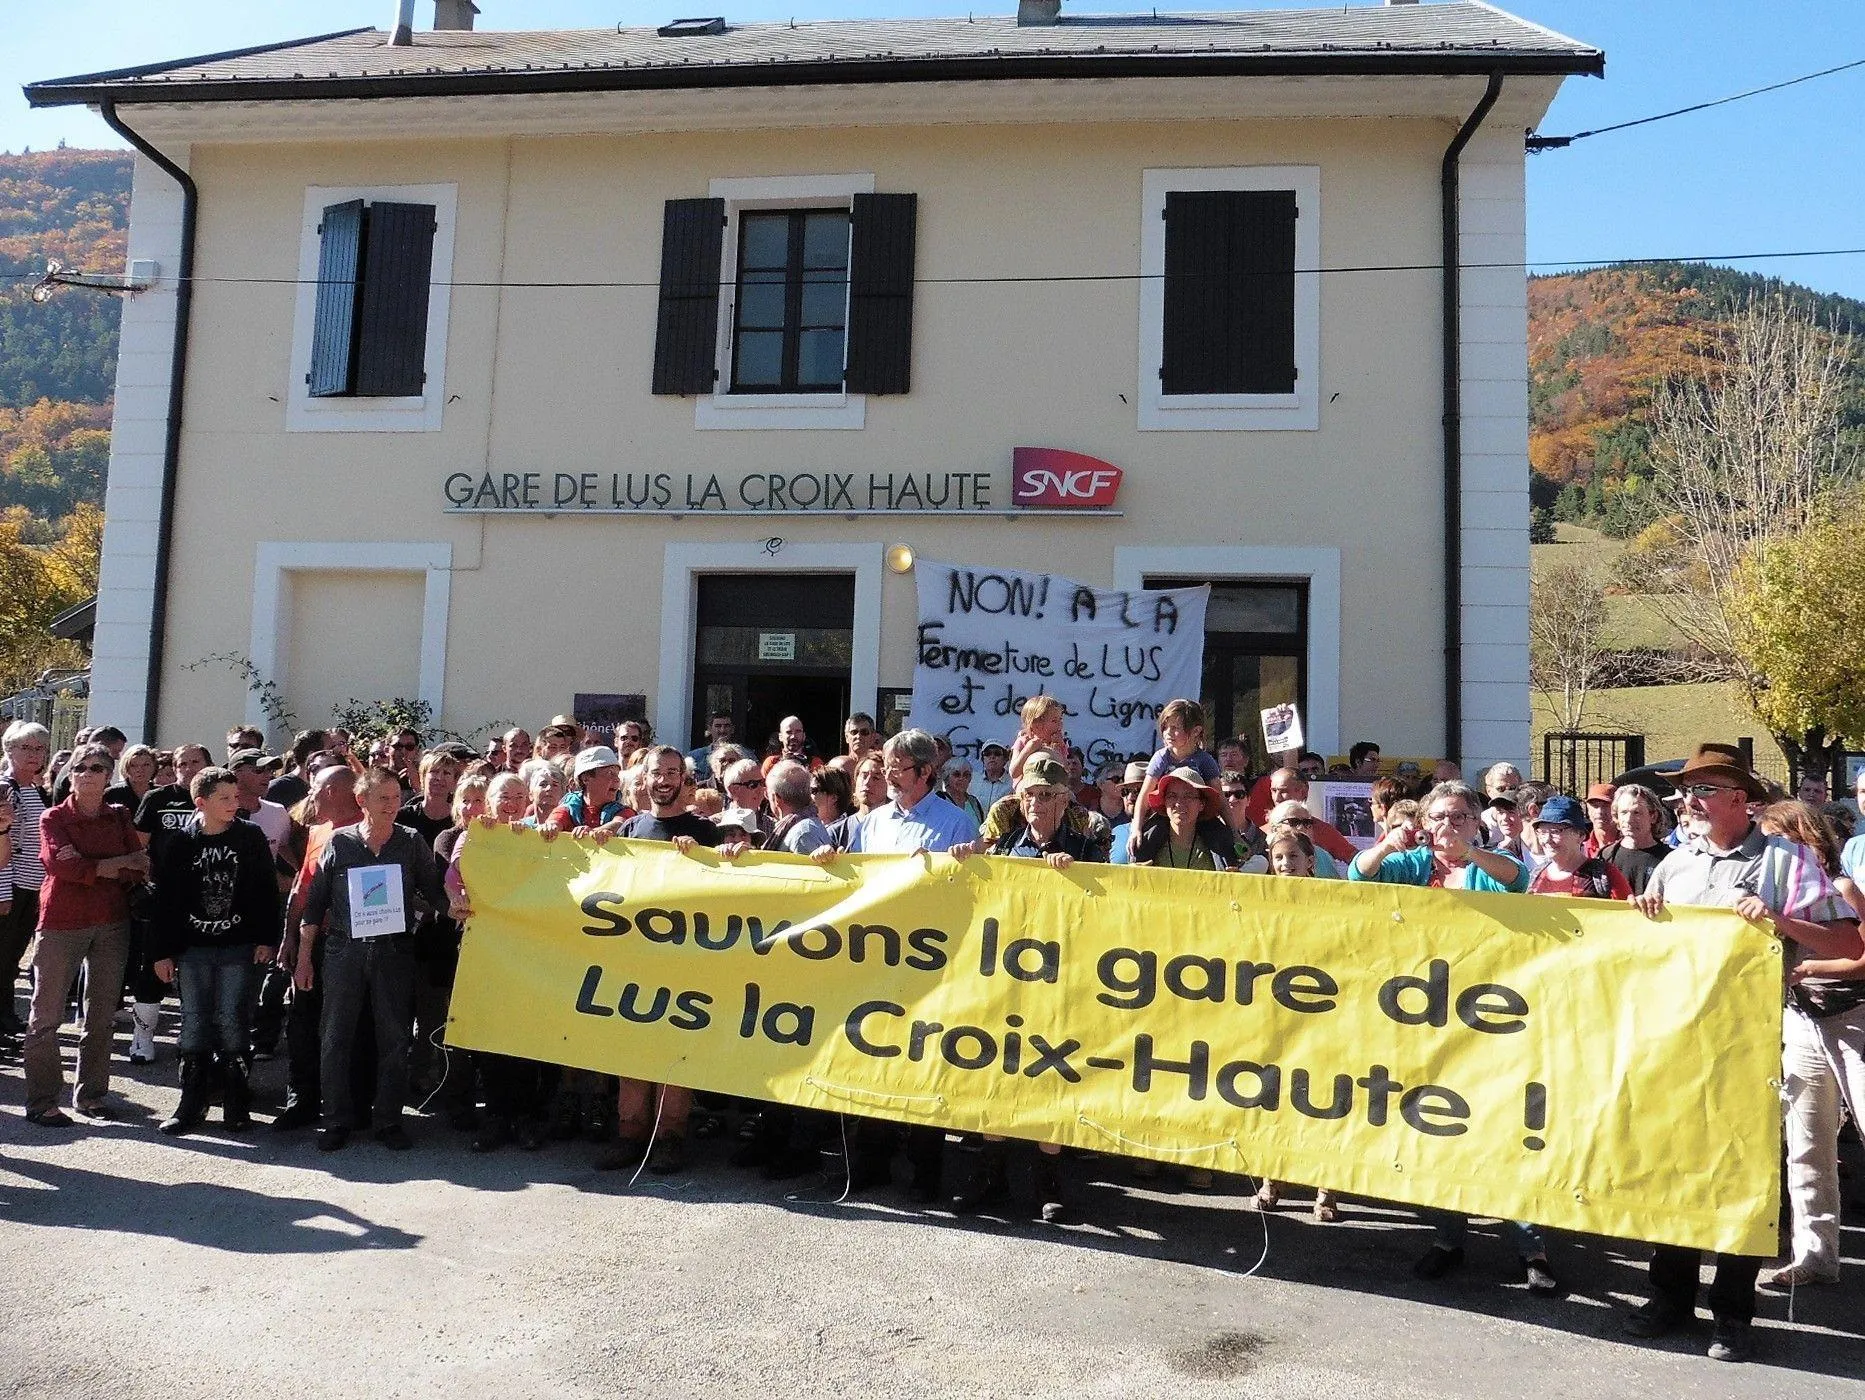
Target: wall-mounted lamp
<point>900,558</point>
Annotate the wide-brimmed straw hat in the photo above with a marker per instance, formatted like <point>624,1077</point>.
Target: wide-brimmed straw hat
<point>1719,761</point>
<point>1210,798</point>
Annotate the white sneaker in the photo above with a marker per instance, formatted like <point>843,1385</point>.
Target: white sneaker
<point>148,1016</point>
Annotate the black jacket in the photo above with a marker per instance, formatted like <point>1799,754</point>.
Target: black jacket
<point>214,891</point>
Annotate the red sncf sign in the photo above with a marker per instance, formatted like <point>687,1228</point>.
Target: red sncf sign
<point>1049,477</point>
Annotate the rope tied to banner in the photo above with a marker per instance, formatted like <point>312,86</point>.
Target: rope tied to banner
<point>860,1095</point>
<point>1151,1149</point>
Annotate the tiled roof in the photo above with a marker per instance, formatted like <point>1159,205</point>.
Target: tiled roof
<point>1460,37</point>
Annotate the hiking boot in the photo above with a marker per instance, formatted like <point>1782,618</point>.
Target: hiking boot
<point>624,1154</point>
<point>668,1156</point>
<point>988,1185</point>
<point>1654,1318</point>
<point>192,1110</point>
<point>1733,1340</point>
<point>1439,1261</point>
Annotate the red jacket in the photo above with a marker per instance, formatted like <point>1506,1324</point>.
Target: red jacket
<point>73,896</point>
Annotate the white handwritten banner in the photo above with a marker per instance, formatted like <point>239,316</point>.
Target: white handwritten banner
<point>991,638</point>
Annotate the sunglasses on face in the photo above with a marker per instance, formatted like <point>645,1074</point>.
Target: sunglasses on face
<point>1236,794</point>
<point>1297,821</point>
<point>91,768</point>
<point>1704,791</point>
<point>748,782</point>
<point>404,744</point>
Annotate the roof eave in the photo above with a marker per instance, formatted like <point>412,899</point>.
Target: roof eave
<point>82,91</point>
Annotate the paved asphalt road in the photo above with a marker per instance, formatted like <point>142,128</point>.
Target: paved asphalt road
<point>217,1265</point>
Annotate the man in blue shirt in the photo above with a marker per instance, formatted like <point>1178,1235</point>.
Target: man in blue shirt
<point>1452,859</point>
<point>916,821</point>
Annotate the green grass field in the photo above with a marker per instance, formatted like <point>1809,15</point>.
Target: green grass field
<point>1673,718</point>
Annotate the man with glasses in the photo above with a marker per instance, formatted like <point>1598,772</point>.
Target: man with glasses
<point>1769,880</point>
<point>993,782</point>
<point>917,820</point>
<point>405,759</point>
<point>859,736</point>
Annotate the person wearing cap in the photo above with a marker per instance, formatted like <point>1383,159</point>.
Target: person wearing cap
<point>556,741</point>
<point>1506,828</point>
<point>594,798</point>
<point>1602,831</point>
<point>992,783</point>
<point>249,772</point>
<point>1130,783</point>
<point>1186,829</point>
<point>1450,858</point>
<point>1043,795</point>
<point>1499,780</point>
<point>1561,829</point>
<point>1731,862</point>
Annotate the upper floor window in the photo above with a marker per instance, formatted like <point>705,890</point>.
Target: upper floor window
<point>786,300</point>
<point>790,331</point>
<point>1230,299</point>
<point>369,344</point>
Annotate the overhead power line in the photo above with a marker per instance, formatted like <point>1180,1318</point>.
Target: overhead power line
<point>1555,143</point>
<point>570,284</point>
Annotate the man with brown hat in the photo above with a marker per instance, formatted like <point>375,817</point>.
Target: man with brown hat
<point>1766,879</point>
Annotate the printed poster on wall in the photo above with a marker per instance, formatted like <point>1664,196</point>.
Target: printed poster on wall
<point>990,638</point>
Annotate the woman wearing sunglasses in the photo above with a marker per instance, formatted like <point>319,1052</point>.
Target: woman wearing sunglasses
<point>92,856</point>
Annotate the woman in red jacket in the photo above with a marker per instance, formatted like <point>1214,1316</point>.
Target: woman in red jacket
<point>92,856</point>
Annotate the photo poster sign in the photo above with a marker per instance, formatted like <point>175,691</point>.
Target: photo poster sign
<point>989,639</point>
<point>1347,807</point>
<point>1282,729</point>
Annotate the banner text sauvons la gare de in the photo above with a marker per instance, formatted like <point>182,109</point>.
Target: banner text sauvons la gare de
<point>1129,979</point>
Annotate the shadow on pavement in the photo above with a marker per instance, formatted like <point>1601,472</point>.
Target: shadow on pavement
<point>193,1212</point>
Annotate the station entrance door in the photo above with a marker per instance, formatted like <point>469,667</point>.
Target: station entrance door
<point>771,645</point>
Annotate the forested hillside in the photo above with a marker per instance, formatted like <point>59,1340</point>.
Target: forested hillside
<point>57,372</point>
<point>1598,343</point>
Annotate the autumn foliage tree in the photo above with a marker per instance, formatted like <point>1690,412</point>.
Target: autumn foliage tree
<point>1749,456</point>
<point>38,582</point>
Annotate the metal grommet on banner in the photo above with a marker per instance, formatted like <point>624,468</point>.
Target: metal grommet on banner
<point>1581,1197</point>
<point>1398,1166</point>
<point>1397,917</point>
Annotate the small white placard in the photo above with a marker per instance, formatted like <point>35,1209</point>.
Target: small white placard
<point>1282,728</point>
<point>376,907</point>
<point>777,646</point>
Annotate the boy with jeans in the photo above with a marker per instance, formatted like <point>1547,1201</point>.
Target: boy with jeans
<point>216,924</point>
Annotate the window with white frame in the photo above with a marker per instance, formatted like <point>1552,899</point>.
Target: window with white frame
<point>369,337</point>
<point>1230,299</point>
<point>786,300</point>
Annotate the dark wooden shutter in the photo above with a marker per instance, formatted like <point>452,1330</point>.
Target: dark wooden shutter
<point>1229,292</point>
<point>880,293</point>
<point>333,334</point>
<point>686,335</point>
<point>398,264</point>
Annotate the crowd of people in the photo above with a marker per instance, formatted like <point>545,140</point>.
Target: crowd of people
<point>316,896</point>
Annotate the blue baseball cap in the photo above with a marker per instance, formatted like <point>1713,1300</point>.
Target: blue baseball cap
<point>1564,811</point>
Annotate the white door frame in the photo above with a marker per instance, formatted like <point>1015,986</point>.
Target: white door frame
<point>681,566</point>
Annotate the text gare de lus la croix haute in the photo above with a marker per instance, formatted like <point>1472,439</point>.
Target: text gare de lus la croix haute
<point>1131,979</point>
<point>663,492</point>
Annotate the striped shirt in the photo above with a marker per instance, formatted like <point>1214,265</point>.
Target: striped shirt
<point>25,871</point>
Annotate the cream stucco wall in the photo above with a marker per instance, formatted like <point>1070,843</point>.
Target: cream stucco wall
<point>557,379</point>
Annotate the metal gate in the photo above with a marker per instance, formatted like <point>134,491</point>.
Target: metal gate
<point>1574,760</point>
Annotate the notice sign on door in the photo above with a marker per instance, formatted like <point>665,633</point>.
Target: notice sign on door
<point>991,638</point>
<point>777,646</point>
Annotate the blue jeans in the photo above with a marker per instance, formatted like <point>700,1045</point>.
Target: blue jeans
<point>1451,1229</point>
<point>216,998</point>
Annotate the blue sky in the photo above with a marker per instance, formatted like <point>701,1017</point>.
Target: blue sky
<point>1777,173</point>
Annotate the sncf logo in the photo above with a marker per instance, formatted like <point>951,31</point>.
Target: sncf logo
<point>1049,477</point>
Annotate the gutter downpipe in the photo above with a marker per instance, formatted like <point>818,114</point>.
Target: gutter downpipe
<point>1453,424</point>
<point>171,450</point>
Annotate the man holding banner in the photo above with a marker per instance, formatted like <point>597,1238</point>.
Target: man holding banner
<point>917,820</point>
<point>1767,880</point>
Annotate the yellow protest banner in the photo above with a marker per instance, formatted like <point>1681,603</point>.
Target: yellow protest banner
<point>1566,1062</point>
